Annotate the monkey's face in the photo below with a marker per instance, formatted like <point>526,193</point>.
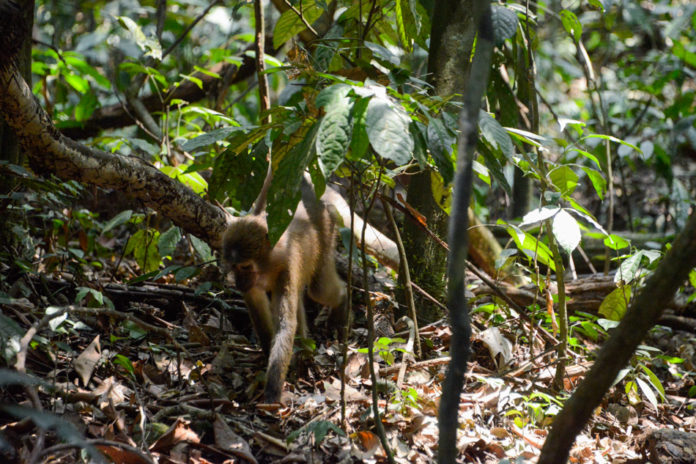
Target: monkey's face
<point>246,250</point>
<point>245,275</point>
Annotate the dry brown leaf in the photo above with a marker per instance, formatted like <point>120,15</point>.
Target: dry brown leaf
<point>87,360</point>
<point>227,440</point>
<point>177,433</point>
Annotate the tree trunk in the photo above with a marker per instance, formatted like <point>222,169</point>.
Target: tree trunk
<point>451,42</point>
<point>9,146</point>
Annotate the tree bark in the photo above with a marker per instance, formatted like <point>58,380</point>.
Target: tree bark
<point>50,151</point>
<point>643,313</point>
<point>9,146</point>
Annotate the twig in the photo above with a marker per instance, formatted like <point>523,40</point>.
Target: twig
<point>302,18</point>
<point>188,29</point>
<point>405,276</point>
<point>379,427</point>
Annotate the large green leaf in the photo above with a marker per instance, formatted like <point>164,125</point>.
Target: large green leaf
<point>614,305</point>
<point>571,24</point>
<point>359,142</point>
<point>440,145</point>
<point>335,129</point>
<point>564,178</point>
<point>289,24</point>
<point>495,134</point>
<point>406,25</point>
<point>238,173</point>
<point>566,231</point>
<point>504,23</point>
<point>143,246</point>
<point>332,95</point>
<point>387,130</point>
<point>284,194</point>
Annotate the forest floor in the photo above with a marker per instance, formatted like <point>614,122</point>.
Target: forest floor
<point>170,376</point>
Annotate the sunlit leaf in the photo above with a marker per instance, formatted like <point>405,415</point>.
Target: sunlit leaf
<point>566,231</point>
<point>614,305</point>
<point>571,24</point>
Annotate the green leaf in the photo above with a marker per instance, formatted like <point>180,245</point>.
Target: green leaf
<point>598,181</point>
<point>333,95</point>
<point>284,194</point>
<point>334,134</point>
<point>564,179</point>
<point>495,134</point>
<point>615,242</point>
<point>191,179</point>
<point>387,130</point>
<point>290,24</point>
<point>143,246</point>
<point>566,231</point>
<point>78,83</point>
<point>168,241</point>
<point>405,24</point>
<point>440,145</point>
<point>530,246</point>
<point>184,273</point>
<point>539,215</point>
<point>598,4</point>
<point>683,54</point>
<point>209,138</point>
<point>654,381</point>
<point>504,23</point>
<point>647,391</point>
<point>120,218</point>
<point>55,322</point>
<point>201,248</point>
<point>611,138</point>
<point>572,25</point>
<point>84,109</point>
<point>239,173</point>
<point>359,142</point>
<point>630,268</point>
<point>614,305</point>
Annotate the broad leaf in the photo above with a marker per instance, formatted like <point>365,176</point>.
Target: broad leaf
<point>387,130</point>
<point>334,134</point>
<point>495,134</point>
<point>566,231</point>
<point>539,215</point>
<point>290,24</point>
<point>614,305</point>
<point>504,23</point>
<point>564,179</point>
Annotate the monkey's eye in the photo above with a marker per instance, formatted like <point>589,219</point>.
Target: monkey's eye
<point>245,267</point>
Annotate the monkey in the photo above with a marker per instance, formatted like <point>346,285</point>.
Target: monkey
<point>303,259</point>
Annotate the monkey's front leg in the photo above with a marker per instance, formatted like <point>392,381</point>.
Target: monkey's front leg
<point>261,318</point>
<point>286,304</point>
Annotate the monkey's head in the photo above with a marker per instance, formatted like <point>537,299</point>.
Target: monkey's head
<point>245,250</point>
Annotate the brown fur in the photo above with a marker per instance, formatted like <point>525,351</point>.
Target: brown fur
<point>302,259</point>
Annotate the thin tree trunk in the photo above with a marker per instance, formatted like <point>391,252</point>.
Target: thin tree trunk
<point>643,313</point>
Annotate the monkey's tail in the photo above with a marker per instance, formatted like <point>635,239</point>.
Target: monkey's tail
<point>260,203</point>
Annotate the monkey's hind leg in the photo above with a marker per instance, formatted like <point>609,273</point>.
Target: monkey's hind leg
<point>328,289</point>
